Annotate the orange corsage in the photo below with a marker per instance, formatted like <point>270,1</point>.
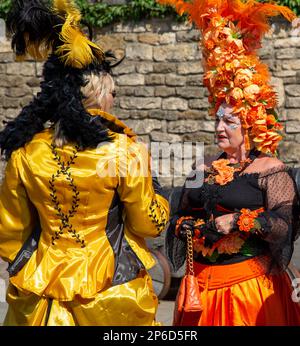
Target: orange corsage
<point>221,173</point>
<point>247,221</point>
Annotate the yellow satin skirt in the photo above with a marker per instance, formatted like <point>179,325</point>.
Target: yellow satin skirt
<point>242,294</point>
<point>131,304</point>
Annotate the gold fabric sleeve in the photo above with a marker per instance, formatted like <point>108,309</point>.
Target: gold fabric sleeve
<point>17,214</point>
<point>146,213</point>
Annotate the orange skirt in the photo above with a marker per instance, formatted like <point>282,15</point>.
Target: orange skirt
<point>242,294</point>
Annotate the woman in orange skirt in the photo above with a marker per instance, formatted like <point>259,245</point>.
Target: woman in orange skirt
<point>242,206</point>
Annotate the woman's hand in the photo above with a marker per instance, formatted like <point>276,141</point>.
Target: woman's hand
<point>226,223</point>
<point>183,225</point>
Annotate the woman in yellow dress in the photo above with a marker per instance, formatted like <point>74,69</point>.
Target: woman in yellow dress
<point>78,198</point>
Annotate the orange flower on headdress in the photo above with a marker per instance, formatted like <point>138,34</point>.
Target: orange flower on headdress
<point>268,141</point>
<point>251,92</point>
<point>243,78</point>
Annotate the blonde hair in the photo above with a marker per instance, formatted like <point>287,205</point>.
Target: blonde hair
<point>97,89</point>
<point>95,95</point>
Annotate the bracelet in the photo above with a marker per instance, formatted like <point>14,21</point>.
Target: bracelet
<point>247,221</point>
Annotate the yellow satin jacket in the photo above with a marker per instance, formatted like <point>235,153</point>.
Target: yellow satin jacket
<point>94,208</point>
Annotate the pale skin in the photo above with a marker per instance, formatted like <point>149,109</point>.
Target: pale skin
<point>230,139</point>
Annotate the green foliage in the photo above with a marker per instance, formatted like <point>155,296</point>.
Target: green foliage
<point>292,4</point>
<point>100,14</point>
<point>4,7</point>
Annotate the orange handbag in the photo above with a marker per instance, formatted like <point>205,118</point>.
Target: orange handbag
<point>188,305</point>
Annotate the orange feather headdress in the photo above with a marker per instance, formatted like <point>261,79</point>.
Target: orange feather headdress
<point>232,31</point>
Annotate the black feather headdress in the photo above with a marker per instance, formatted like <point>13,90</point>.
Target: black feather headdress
<point>42,30</point>
<point>35,28</point>
<point>39,29</point>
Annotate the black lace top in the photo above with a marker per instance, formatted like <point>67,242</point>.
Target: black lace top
<point>273,189</point>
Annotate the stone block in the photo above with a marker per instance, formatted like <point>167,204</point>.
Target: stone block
<point>7,57</point>
<point>149,38</point>
<point>33,82</point>
<point>9,102</point>
<point>21,68</point>
<point>167,38</point>
<point>11,113</point>
<point>175,80</point>
<point>287,42</point>
<point>124,68</point>
<point>144,91</point>
<point>277,83</point>
<point>125,91</point>
<point>18,92</point>
<point>138,114</point>
<point>184,126</point>
<point>185,26</point>
<point>293,102</point>
<point>145,126</point>
<point>131,80</point>
<point>139,51</point>
<point>174,103</point>
<point>199,103</point>
<point>158,136</point>
<point>161,67</point>
<point>293,114</point>
<point>188,68</point>
<point>196,80</point>
<point>164,91</point>
<point>293,127</point>
<point>201,137</point>
<point>39,69</point>
<point>140,103</point>
<point>11,81</point>
<point>130,37</point>
<point>292,64</point>
<point>25,100</point>
<point>163,114</point>
<point>194,114</point>
<point>289,151</point>
<point>190,92</point>
<point>286,53</point>
<point>155,79</point>
<point>188,36</point>
<point>293,90</point>
<point>179,52</point>
<point>144,67</point>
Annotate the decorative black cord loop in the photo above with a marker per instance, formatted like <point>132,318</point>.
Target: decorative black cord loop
<point>64,169</point>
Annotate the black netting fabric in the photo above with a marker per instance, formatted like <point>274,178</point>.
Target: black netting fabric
<point>280,222</point>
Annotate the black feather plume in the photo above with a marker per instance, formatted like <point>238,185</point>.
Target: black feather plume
<point>32,24</point>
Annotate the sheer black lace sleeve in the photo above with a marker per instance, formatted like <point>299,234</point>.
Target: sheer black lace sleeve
<point>180,206</point>
<point>280,221</point>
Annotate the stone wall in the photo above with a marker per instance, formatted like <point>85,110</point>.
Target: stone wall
<point>160,93</point>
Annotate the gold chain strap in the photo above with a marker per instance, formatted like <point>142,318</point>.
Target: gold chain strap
<point>189,254</point>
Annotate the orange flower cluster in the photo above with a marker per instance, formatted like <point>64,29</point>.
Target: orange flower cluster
<point>247,220</point>
<point>222,173</point>
<point>232,242</point>
<point>225,173</point>
<point>229,244</point>
<point>232,31</point>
